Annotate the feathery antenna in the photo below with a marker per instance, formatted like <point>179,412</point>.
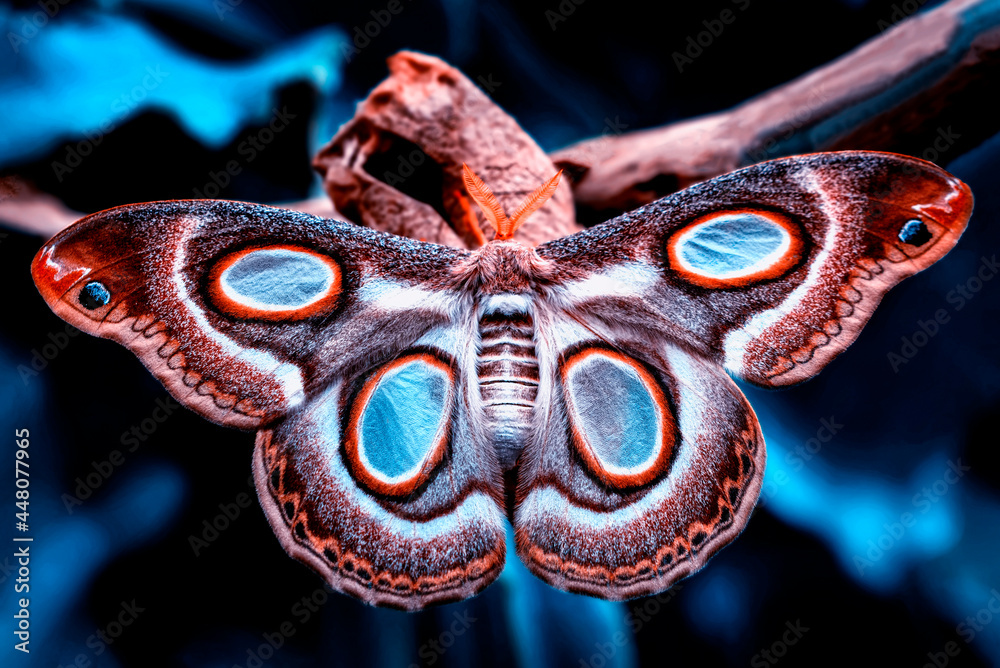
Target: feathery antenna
<point>503,226</point>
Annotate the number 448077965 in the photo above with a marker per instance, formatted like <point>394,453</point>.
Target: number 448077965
<point>21,478</point>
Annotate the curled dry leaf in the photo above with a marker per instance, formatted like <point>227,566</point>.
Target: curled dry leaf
<point>397,165</point>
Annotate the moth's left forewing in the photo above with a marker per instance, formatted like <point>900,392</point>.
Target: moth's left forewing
<point>772,270</point>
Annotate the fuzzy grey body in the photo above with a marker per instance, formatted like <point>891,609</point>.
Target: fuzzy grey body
<point>506,274</point>
<point>508,374</point>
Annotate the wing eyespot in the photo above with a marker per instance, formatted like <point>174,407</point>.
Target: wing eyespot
<point>94,295</point>
<point>621,423</point>
<point>276,282</point>
<point>735,248</point>
<point>398,424</point>
<point>915,233</point>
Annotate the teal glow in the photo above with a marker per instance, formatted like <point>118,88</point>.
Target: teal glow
<point>402,418</point>
<point>614,410</point>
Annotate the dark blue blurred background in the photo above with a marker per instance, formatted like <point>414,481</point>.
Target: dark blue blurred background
<point>876,537</point>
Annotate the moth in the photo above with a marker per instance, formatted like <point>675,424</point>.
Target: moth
<point>410,398</point>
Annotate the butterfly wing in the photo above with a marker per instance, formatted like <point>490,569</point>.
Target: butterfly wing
<point>379,485</point>
<point>241,311</point>
<point>772,270</point>
<point>646,460</point>
<point>341,345</point>
<point>646,457</point>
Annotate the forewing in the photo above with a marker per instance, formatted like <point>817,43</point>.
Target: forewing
<point>771,270</point>
<point>243,311</point>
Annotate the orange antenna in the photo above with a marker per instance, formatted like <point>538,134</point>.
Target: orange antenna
<point>503,226</point>
<point>534,201</point>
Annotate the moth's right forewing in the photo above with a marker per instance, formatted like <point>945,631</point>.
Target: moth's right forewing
<point>772,270</point>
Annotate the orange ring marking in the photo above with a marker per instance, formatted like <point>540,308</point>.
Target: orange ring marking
<point>234,308</point>
<point>665,423</point>
<point>776,269</point>
<point>436,451</point>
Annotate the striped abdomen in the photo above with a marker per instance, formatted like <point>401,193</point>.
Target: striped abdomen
<point>508,379</point>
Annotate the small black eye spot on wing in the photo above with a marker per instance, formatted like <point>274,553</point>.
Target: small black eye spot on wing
<point>94,295</point>
<point>915,233</point>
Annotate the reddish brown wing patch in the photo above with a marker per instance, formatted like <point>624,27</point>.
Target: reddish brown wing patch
<point>868,210</point>
<point>354,551</point>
